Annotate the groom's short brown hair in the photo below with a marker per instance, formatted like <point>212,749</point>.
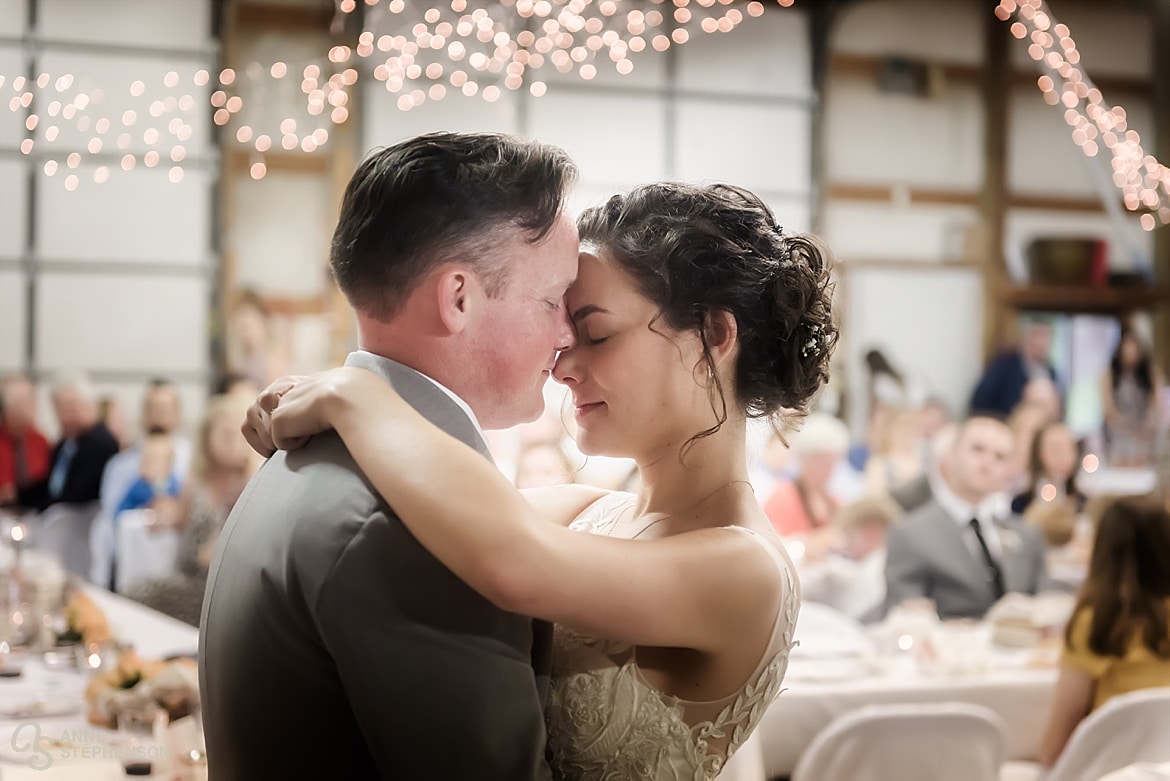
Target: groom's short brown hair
<point>438,197</point>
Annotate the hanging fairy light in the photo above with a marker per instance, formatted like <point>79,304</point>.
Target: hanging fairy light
<point>1143,181</point>
<point>478,46</point>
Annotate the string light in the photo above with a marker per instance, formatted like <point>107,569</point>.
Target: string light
<point>1144,182</point>
<point>419,51</point>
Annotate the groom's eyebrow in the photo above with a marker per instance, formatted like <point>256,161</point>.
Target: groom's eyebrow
<point>587,310</point>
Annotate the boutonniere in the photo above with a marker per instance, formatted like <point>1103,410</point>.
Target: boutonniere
<point>1011,540</point>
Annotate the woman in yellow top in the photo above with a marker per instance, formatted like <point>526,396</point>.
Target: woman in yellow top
<point>1118,639</point>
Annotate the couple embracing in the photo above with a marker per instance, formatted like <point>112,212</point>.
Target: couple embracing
<point>384,604</point>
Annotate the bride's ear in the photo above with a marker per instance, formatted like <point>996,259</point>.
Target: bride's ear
<point>722,332</point>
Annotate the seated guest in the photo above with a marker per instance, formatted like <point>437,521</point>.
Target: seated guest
<point>78,459</point>
<point>851,579</point>
<point>156,475</point>
<point>805,505</point>
<point>222,464</point>
<point>917,492</point>
<point>542,464</point>
<point>1025,422</point>
<point>898,458</point>
<point>1001,388</point>
<point>958,549</point>
<point>161,414</point>
<point>1053,462</point>
<point>24,451</point>
<point>1118,639</point>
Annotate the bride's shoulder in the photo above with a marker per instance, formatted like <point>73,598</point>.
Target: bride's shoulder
<point>563,504</point>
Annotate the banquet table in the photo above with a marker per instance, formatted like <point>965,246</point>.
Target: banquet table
<point>836,669</point>
<point>48,700</point>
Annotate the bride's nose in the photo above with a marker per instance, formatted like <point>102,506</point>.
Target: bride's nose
<point>566,370</point>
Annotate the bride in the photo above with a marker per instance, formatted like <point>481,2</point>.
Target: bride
<point>674,608</point>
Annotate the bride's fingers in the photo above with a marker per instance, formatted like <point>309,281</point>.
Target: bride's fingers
<point>257,430</point>
<point>287,428</point>
<point>269,398</point>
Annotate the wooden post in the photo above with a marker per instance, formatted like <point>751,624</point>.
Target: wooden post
<point>1160,109</point>
<point>995,87</point>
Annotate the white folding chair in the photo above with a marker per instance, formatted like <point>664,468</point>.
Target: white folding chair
<point>63,530</point>
<point>1129,728</point>
<point>957,741</point>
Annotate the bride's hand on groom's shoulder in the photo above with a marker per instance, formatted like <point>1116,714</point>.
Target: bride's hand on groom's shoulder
<point>292,409</point>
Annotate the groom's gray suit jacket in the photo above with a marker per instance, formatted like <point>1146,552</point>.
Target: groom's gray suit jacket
<point>333,646</point>
<point>927,556</point>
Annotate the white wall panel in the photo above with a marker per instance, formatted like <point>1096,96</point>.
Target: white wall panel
<point>615,139</point>
<point>174,24</point>
<point>13,17</point>
<point>1042,157</point>
<point>12,319</point>
<point>928,324</point>
<point>768,55</point>
<point>12,65</point>
<point>383,124</point>
<point>114,75</point>
<point>122,322</point>
<point>283,224</point>
<point>137,216</point>
<point>857,230</point>
<point>761,147</point>
<point>879,138</point>
<point>14,213</point>
<point>926,29</point>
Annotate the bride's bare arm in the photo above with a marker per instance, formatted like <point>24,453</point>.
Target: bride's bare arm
<point>692,590</point>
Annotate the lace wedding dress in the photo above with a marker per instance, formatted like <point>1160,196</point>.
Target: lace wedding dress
<point>606,722</point>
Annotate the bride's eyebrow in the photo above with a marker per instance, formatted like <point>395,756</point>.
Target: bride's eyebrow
<point>587,310</point>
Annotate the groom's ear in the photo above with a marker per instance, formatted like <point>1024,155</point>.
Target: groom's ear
<point>457,291</point>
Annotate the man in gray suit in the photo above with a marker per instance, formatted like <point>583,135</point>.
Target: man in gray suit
<point>333,645</point>
<point>962,549</point>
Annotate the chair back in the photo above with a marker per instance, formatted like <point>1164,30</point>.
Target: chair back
<point>1128,729</point>
<point>957,741</point>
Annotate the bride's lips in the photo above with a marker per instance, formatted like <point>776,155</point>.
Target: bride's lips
<point>585,409</point>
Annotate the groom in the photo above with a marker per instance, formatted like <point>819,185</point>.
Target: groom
<point>333,645</point>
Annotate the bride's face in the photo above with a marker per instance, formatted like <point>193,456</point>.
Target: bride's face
<point>636,390</point>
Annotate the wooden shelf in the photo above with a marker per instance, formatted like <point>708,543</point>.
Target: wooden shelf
<point>1104,300</point>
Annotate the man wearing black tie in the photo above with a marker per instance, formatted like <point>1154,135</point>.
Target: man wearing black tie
<point>964,549</point>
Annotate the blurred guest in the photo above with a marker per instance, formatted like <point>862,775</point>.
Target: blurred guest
<point>162,413</point>
<point>898,458</point>
<point>222,464</point>
<point>1043,392</point>
<point>232,383</point>
<point>24,451</point>
<point>1118,639</point>
<point>875,426</point>
<point>1053,463</point>
<point>80,456</point>
<point>1002,385</point>
<point>156,474</point>
<point>805,505</point>
<point>1129,393</point>
<point>542,464</point>
<point>960,549</point>
<point>852,577</point>
<point>254,348</point>
<point>1025,422</point>
<point>114,417</point>
<point>917,492</point>
<point>935,414</point>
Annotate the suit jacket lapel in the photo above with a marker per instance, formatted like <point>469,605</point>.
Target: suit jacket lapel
<point>425,396</point>
<point>956,557</point>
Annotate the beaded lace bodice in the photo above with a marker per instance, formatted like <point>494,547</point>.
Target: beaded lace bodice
<point>606,722</point>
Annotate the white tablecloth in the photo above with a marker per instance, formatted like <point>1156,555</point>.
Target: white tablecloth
<point>60,693</point>
<point>828,675</point>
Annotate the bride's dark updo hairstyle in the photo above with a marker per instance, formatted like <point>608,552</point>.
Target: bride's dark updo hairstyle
<point>693,250</point>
